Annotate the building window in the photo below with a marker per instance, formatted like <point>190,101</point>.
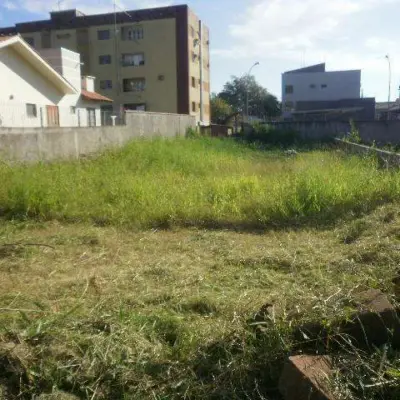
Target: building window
<point>106,59</point>
<point>103,34</point>
<point>193,106</point>
<point>135,107</point>
<point>193,82</point>
<point>134,84</point>
<point>91,116</point>
<point>31,110</point>
<point>46,39</point>
<point>106,84</point>
<point>72,110</point>
<point>132,33</point>
<point>289,89</point>
<point>132,59</point>
<point>106,108</point>
<point>324,86</point>
<point>63,36</point>
<point>30,41</point>
<point>313,86</point>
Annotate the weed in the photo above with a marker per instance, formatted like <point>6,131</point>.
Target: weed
<point>354,134</point>
<point>200,182</point>
<point>192,133</point>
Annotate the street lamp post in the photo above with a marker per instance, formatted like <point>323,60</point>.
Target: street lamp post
<point>390,84</point>
<point>247,89</point>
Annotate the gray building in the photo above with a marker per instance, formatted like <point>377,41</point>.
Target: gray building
<point>314,93</point>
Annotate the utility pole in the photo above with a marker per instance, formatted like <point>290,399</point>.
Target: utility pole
<point>116,55</point>
<point>389,84</point>
<point>201,71</point>
<point>247,89</point>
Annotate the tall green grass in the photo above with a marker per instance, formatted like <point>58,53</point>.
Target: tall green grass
<point>200,182</point>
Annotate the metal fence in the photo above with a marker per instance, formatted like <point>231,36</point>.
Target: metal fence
<point>29,115</point>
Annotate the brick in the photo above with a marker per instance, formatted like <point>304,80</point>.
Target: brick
<point>375,323</point>
<point>306,378</point>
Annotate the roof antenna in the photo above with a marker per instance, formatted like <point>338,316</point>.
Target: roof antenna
<point>120,8</point>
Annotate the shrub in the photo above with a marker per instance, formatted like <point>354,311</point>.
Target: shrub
<point>354,134</point>
<point>269,135</point>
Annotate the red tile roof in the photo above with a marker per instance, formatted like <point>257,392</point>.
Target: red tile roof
<point>93,96</point>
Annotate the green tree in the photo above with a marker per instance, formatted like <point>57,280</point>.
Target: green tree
<point>262,104</point>
<point>220,109</point>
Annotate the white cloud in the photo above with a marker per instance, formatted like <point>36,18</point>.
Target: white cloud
<point>284,27</point>
<point>87,7</point>
<point>293,32</point>
<point>9,5</point>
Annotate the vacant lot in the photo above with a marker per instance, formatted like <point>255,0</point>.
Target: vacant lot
<point>137,275</point>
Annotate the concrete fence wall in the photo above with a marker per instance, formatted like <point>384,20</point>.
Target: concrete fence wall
<point>35,144</point>
<point>379,131</point>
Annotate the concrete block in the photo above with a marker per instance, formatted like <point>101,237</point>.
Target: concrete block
<point>306,378</point>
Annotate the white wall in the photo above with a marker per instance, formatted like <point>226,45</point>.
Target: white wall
<point>340,85</point>
<point>79,116</point>
<point>21,84</point>
<point>65,62</point>
<point>83,114</point>
<point>88,83</point>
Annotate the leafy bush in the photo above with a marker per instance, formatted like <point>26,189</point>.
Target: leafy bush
<point>269,135</point>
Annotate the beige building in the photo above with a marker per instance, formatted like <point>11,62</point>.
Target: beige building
<point>154,59</point>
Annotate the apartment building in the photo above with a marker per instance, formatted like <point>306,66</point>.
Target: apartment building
<point>313,91</point>
<point>154,59</point>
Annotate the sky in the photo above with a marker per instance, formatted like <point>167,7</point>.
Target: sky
<point>279,34</point>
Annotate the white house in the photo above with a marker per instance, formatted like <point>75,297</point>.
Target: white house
<point>45,89</point>
<point>315,84</point>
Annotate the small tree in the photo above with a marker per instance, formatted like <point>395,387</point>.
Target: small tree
<point>220,109</point>
<point>261,103</point>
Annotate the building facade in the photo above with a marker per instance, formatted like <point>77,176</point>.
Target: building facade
<point>314,88</point>
<point>45,89</point>
<point>155,59</point>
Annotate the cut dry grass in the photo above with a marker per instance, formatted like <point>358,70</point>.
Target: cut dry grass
<point>102,311</point>
<point>110,313</point>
